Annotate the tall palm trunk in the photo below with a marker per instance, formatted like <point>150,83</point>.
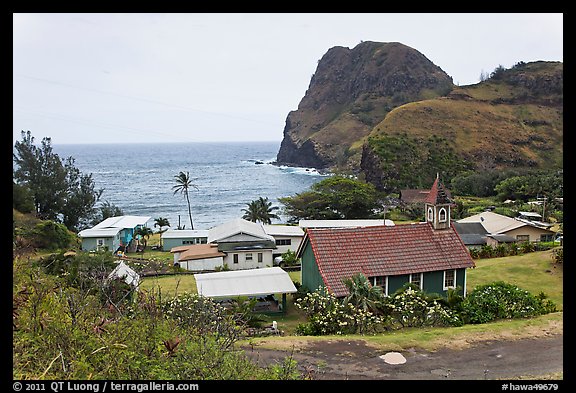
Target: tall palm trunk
<point>189,211</point>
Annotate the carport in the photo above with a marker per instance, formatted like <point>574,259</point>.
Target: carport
<point>251,283</point>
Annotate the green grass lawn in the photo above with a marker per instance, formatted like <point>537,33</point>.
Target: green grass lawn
<point>533,272</point>
<point>170,285</point>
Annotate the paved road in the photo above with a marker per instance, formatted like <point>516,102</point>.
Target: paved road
<point>354,360</point>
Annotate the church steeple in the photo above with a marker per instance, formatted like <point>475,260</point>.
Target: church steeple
<point>437,205</point>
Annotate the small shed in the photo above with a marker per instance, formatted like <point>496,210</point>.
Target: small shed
<point>251,283</point>
<point>126,273</point>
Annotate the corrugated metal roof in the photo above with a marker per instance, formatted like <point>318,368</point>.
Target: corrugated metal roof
<point>122,222</point>
<point>104,232</point>
<point>283,230</point>
<point>251,282</point>
<point>344,223</point>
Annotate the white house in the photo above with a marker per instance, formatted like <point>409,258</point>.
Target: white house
<point>199,257</point>
<point>245,243</point>
<point>287,237</point>
<point>520,229</point>
<point>182,237</point>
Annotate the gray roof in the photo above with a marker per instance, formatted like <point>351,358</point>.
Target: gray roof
<point>469,228</point>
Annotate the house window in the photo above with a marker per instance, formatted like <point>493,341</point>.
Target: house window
<point>284,242</point>
<point>100,242</point>
<point>248,257</point>
<point>523,238</point>
<point>449,279</point>
<point>260,257</point>
<point>430,214</point>
<point>546,238</point>
<point>416,279</point>
<point>442,215</point>
<point>235,256</point>
<point>381,281</point>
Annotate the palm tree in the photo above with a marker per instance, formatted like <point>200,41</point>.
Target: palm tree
<point>183,185</point>
<point>260,210</point>
<point>362,294</point>
<point>252,212</point>
<point>145,232</point>
<point>161,222</point>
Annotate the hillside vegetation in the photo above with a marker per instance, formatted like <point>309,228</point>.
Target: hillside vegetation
<point>368,106</point>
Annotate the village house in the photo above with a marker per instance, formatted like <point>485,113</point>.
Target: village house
<point>113,234</point>
<point>287,238</point>
<point>429,254</point>
<point>182,237</point>
<point>522,230</point>
<point>475,236</point>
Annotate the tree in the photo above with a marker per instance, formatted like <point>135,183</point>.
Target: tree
<point>337,197</point>
<point>145,232</point>
<point>362,294</point>
<point>260,210</point>
<point>61,193</point>
<point>161,222</point>
<point>107,210</point>
<point>183,185</point>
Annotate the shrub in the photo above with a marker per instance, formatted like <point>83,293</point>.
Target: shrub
<point>500,300</point>
<point>50,235</point>
<point>328,315</point>
<point>410,307</point>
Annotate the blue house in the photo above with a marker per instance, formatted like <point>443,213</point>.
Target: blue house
<point>113,233</point>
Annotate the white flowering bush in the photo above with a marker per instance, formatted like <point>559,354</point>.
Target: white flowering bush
<point>328,315</point>
<point>411,307</point>
<point>203,316</point>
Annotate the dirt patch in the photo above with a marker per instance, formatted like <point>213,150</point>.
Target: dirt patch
<point>489,359</point>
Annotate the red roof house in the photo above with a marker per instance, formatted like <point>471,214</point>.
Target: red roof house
<point>429,254</point>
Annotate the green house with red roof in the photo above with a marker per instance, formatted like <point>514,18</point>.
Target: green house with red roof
<point>428,254</point>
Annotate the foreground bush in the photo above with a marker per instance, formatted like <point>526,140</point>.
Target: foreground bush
<point>63,332</point>
<point>500,300</point>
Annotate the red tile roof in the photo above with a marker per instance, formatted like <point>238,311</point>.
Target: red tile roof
<point>385,251</point>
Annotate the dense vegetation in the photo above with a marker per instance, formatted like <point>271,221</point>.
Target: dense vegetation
<point>71,321</point>
<point>337,197</point>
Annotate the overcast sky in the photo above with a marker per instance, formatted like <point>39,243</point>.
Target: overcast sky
<point>188,77</point>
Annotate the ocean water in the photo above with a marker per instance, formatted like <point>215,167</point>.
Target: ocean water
<point>138,178</point>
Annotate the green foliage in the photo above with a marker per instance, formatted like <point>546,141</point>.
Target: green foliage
<point>337,197</point>
<point>22,198</point>
<point>106,210</point>
<point>64,333</point>
<point>260,210</point>
<point>289,258</point>
<point>60,191</point>
<point>410,162</point>
<point>529,186</point>
<point>362,294</point>
<point>500,300</point>
<point>328,315</point>
<point>50,235</point>
<point>558,255</point>
<point>410,307</point>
